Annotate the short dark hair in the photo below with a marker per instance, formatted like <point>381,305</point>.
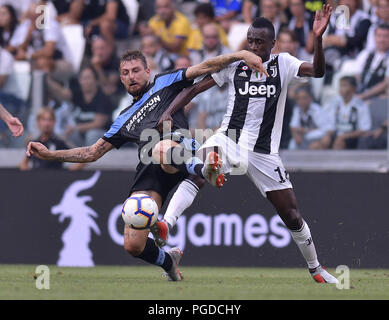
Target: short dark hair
<point>205,9</point>
<point>133,55</point>
<point>262,22</point>
<point>351,80</point>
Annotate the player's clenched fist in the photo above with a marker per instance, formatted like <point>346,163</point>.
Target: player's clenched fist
<point>38,150</point>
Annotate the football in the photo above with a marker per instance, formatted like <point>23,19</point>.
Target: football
<point>140,211</point>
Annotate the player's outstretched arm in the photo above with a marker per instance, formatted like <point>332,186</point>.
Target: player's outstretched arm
<point>13,123</point>
<point>317,68</point>
<point>80,155</point>
<point>182,99</point>
<point>215,64</point>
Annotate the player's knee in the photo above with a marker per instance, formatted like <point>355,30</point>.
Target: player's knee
<point>293,219</point>
<point>133,248</point>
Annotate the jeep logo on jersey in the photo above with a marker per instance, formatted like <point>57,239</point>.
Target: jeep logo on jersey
<point>258,89</point>
<point>139,115</point>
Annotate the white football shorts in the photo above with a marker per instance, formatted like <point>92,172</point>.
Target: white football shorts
<point>266,171</point>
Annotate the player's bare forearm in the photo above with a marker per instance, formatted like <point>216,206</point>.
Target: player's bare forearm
<point>4,114</point>
<point>216,64</point>
<point>319,61</point>
<point>76,155</point>
<point>375,90</point>
<point>317,68</point>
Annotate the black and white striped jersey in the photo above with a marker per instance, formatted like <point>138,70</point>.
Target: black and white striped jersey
<point>256,104</point>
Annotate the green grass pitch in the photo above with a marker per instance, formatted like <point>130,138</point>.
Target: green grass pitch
<point>146,283</point>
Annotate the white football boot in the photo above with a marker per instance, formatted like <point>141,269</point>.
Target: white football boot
<point>174,274</point>
<point>320,275</point>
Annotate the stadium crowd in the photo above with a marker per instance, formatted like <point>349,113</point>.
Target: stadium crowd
<point>63,55</point>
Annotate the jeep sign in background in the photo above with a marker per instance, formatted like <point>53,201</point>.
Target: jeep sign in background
<point>74,219</point>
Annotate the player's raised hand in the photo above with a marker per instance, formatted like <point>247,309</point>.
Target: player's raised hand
<point>165,123</point>
<point>254,62</point>
<point>38,150</point>
<point>322,18</point>
<point>15,126</point>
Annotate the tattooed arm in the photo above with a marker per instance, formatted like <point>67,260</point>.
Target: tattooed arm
<point>215,64</point>
<point>83,154</point>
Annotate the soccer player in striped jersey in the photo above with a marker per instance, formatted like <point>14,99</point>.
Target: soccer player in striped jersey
<point>150,101</point>
<point>250,133</point>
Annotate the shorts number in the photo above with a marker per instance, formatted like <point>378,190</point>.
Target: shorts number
<point>282,179</point>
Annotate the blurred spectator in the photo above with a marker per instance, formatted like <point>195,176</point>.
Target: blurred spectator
<point>377,137</point>
<point>204,14</point>
<point>250,9</point>
<point>374,72</point>
<point>106,64</point>
<point>46,122</point>
<point>146,10</point>
<point>157,58</point>
<point>272,10</point>
<point>301,24</point>
<point>226,11</point>
<point>211,45</point>
<point>21,6</point>
<point>185,62</point>
<point>381,16</point>
<point>8,24</point>
<point>286,42</point>
<point>171,27</point>
<point>106,17</point>
<point>6,67</point>
<point>13,104</point>
<point>68,11</point>
<point>349,118</point>
<point>42,43</point>
<point>308,123</point>
<point>344,42</point>
<point>315,5</point>
<point>208,108</point>
<point>92,108</point>
<point>13,123</point>
<point>182,62</point>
